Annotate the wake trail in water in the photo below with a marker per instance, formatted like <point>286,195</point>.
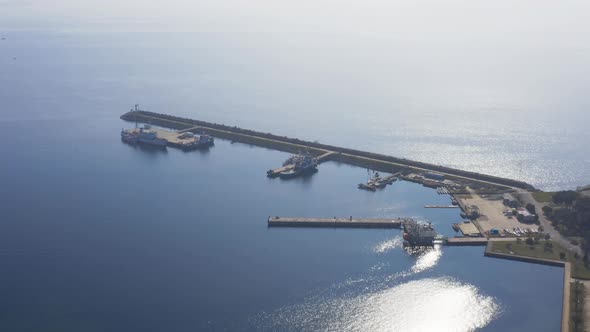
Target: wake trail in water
<point>388,245</point>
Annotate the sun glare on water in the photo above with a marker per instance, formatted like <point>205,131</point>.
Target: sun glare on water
<point>389,304</point>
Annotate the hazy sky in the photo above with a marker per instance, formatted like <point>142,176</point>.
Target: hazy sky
<point>479,19</point>
<point>543,42</point>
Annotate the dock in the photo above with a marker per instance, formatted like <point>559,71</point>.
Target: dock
<point>176,139</point>
<point>335,222</point>
<point>468,229</point>
<point>441,206</point>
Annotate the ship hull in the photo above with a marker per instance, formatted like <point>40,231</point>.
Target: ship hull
<point>155,143</point>
<point>296,173</point>
<point>197,146</point>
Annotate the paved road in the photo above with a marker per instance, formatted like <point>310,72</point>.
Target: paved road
<point>526,198</point>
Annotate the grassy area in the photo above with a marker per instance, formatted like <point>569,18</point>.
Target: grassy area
<point>577,293</point>
<point>544,250</point>
<point>543,196</point>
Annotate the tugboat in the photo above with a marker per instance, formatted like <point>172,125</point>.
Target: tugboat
<point>190,141</point>
<point>302,164</point>
<point>373,182</point>
<point>206,141</point>
<point>149,137</point>
<point>128,136</point>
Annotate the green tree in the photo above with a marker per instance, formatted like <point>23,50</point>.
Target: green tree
<point>547,210</point>
<point>566,197</point>
<point>548,247</point>
<point>531,208</point>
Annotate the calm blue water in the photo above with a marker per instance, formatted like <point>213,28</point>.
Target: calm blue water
<point>96,235</point>
<point>475,121</point>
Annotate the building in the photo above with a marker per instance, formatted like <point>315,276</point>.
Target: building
<point>523,215</point>
<point>510,201</point>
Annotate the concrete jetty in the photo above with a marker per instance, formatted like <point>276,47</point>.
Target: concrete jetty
<point>441,206</point>
<point>335,222</point>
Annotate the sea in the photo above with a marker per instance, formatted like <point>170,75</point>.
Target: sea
<point>98,235</point>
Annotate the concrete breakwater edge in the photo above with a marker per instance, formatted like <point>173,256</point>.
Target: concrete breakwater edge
<point>567,277</point>
<point>354,157</point>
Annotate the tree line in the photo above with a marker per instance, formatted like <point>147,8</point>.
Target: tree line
<point>572,215</point>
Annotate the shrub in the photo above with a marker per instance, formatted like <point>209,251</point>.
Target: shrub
<point>547,210</point>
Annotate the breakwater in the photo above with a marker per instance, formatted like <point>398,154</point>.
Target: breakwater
<point>354,157</point>
<point>334,222</point>
<point>550,262</point>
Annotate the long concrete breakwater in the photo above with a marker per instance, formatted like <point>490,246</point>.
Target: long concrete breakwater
<point>335,222</point>
<point>366,159</point>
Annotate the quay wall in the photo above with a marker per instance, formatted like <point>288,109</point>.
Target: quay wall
<point>466,241</point>
<point>489,253</point>
<point>334,224</point>
<point>567,275</point>
<point>278,143</point>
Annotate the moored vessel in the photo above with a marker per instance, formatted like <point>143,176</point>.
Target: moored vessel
<point>302,164</point>
<point>144,135</point>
